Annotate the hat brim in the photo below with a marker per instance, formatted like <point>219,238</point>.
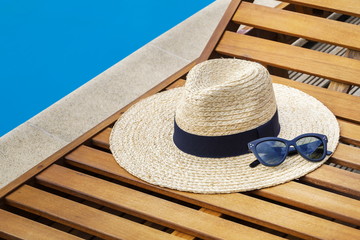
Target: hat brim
<point>141,142</point>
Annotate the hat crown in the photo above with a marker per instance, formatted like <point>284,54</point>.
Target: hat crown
<point>226,96</point>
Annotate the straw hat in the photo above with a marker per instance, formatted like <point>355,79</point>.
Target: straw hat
<point>222,98</point>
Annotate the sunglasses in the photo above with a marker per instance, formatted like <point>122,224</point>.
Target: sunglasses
<point>272,151</point>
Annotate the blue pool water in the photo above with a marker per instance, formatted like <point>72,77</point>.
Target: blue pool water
<point>48,48</point>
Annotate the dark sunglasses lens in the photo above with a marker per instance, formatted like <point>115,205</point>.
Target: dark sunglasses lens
<point>311,147</point>
<point>271,152</point>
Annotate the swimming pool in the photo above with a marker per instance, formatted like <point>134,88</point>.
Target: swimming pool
<point>50,48</point>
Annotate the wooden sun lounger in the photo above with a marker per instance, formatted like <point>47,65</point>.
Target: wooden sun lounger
<point>81,193</point>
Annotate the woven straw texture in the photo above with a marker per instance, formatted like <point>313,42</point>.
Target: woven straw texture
<point>225,96</point>
<point>141,140</point>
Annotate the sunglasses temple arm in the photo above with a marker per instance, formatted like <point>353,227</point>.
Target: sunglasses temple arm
<point>254,163</point>
<point>328,152</point>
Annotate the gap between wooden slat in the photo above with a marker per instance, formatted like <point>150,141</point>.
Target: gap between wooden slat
<point>103,163</point>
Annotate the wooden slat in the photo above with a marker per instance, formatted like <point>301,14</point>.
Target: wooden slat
<point>175,216</point>
<point>335,178</point>
<point>147,207</point>
<point>341,87</point>
<point>299,25</point>
<point>189,237</point>
<point>310,227</point>
<point>178,83</point>
<point>350,132</point>
<point>350,7</point>
<point>347,156</point>
<point>82,217</point>
<point>13,226</point>
<point>236,205</point>
<point>315,200</point>
<point>290,57</point>
<point>102,138</point>
<point>342,105</point>
<point>247,29</point>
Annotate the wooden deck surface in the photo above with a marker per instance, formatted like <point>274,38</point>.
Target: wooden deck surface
<point>82,193</point>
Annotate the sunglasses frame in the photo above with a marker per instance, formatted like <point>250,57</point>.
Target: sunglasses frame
<point>252,147</point>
